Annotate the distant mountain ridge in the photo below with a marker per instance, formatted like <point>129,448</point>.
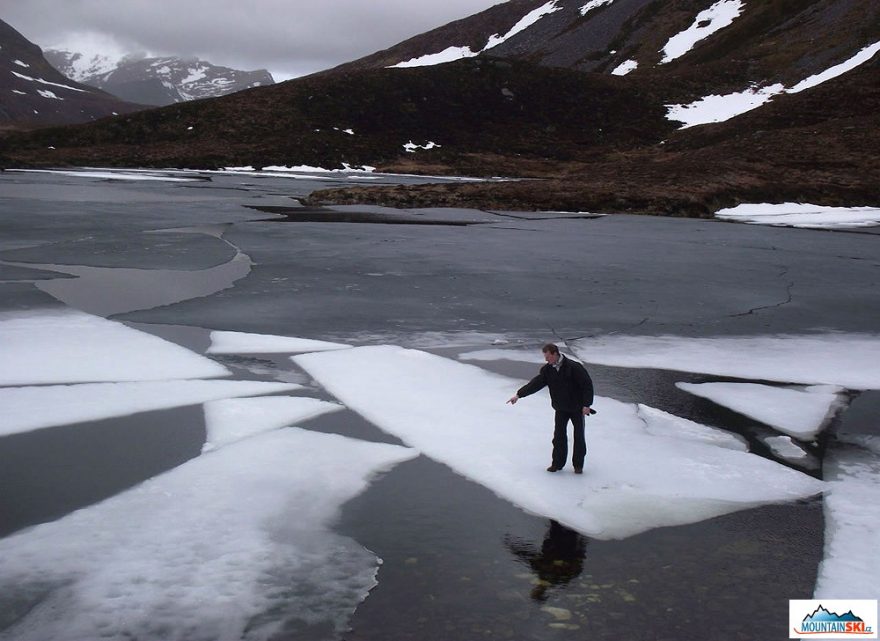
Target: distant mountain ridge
<point>35,94</point>
<point>156,81</point>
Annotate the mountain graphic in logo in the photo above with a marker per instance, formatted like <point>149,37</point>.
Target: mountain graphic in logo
<point>821,614</point>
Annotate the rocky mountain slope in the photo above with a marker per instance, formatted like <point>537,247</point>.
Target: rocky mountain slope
<point>659,106</point>
<point>35,94</point>
<point>156,81</point>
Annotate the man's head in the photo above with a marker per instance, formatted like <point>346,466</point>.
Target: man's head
<point>551,353</point>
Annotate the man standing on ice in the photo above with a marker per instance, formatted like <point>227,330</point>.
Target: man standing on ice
<point>571,395</point>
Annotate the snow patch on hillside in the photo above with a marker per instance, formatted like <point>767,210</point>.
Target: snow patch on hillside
<point>594,4</point>
<point>715,108</point>
<point>451,54</point>
<point>714,19</point>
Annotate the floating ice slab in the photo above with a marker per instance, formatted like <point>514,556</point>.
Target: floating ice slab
<point>32,408</point>
<point>849,360</point>
<point>242,343</point>
<point>234,419</point>
<point>55,346</point>
<point>802,215</point>
<point>113,175</point>
<point>635,479</point>
<point>784,447</point>
<point>798,413</point>
<point>851,565</point>
<point>660,423</point>
<point>227,546</point>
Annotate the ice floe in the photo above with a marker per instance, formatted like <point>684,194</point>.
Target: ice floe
<point>798,413</point>
<point>223,342</point>
<point>67,346</point>
<point>234,419</point>
<point>802,215</point>
<point>112,175</point>
<point>660,423</point>
<point>851,566</point>
<point>784,447</point>
<point>32,408</point>
<point>230,545</point>
<point>634,480</point>
<point>848,360</point>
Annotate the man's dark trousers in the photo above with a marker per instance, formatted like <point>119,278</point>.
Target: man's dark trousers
<point>560,439</point>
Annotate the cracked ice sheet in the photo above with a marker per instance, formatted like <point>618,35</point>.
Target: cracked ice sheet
<point>31,408</point>
<point>634,479</point>
<point>227,546</point>
<point>849,360</point>
<point>798,413</point>
<point>802,215</point>
<point>851,565</point>
<point>68,346</point>
<point>235,419</point>
<point>243,343</point>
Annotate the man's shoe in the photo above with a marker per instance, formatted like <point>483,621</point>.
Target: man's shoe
<point>553,468</point>
<point>578,470</point>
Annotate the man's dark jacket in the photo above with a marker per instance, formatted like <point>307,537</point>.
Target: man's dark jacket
<point>571,388</point>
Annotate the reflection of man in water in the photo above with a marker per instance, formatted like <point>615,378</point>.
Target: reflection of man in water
<point>560,559</point>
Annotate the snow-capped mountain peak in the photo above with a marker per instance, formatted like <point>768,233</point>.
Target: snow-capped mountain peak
<point>155,80</point>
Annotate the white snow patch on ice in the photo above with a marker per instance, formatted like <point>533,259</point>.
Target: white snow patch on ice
<point>848,360</point>
<point>300,169</point>
<point>624,68</point>
<point>798,413</point>
<point>31,408</point>
<point>593,4</point>
<point>851,565</point>
<point>231,420</point>
<point>714,19</point>
<point>243,343</point>
<point>66,346</point>
<point>802,215</point>
<point>634,480</point>
<point>230,545</point>
<point>109,174</point>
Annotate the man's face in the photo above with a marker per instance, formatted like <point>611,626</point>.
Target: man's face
<point>551,358</point>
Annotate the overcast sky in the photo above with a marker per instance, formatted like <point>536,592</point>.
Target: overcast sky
<point>288,37</point>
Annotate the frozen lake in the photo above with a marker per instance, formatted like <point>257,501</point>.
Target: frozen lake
<point>229,416</point>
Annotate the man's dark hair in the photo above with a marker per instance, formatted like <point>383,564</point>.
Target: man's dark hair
<point>550,347</point>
